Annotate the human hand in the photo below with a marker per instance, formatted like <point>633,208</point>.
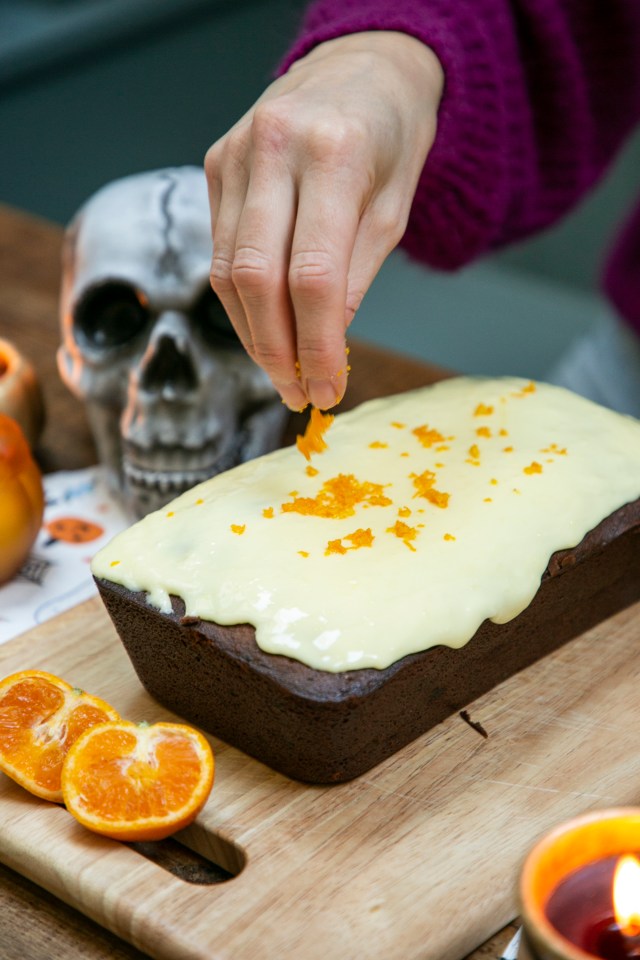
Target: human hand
<point>309,192</point>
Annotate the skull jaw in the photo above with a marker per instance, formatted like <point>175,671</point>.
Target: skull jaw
<point>145,481</point>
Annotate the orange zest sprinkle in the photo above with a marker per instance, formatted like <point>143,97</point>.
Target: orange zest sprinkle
<point>427,435</point>
<point>338,498</point>
<point>303,553</point>
<point>404,532</point>
<point>313,440</point>
<point>488,499</point>
<point>530,388</point>
<point>507,449</point>
<point>533,467</point>
<point>397,425</point>
<point>311,471</point>
<point>378,445</point>
<point>448,536</point>
<point>114,563</point>
<point>171,513</point>
<point>335,546</point>
<point>474,451</point>
<point>404,512</point>
<point>238,528</point>
<point>493,482</point>
<point>503,432</point>
<point>555,449</point>
<point>442,448</point>
<point>267,513</point>
<point>483,410</point>
<point>359,538</point>
<point>424,484</point>
<point>483,432</point>
<point>199,501</point>
<point>405,454</point>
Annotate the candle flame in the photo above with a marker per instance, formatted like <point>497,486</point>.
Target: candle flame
<point>626,895</point>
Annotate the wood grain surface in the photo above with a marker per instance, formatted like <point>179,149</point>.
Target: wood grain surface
<point>562,739</point>
<point>417,858</point>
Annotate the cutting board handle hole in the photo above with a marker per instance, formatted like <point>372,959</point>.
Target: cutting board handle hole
<point>189,865</point>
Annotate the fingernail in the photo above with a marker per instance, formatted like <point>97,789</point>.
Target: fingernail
<point>324,393</point>
<point>293,395</point>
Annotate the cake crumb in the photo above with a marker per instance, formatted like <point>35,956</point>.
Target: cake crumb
<point>474,724</point>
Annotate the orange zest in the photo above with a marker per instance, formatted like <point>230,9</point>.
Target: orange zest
<point>424,484</point>
<point>313,439</point>
<point>134,781</point>
<point>41,716</point>
<point>338,498</point>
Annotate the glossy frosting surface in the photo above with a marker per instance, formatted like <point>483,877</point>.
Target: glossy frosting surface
<point>429,512</point>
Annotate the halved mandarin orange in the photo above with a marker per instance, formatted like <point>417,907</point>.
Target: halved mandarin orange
<point>40,717</point>
<point>134,781</point>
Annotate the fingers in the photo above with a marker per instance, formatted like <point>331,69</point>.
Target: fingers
<point>325,232</point>
<point>259,273</point>
<point>282,247</point>
<point>227,179</point>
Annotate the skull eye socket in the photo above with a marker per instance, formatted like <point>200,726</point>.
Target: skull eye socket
<point>111,315</point>
<point>213,324</point>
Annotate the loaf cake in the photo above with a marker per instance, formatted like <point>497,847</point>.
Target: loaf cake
<point>320,615</point>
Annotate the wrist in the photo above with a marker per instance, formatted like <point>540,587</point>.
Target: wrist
<point>415,58</point>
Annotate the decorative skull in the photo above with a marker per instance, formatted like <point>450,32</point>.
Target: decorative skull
<point>171,395</point>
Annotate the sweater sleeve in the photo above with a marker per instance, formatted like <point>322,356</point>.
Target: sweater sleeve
<point>539,95</point>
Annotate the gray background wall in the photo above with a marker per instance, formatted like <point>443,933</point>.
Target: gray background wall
<point>91,90</point>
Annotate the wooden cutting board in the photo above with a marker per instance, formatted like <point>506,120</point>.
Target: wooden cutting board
<point>418,858</point>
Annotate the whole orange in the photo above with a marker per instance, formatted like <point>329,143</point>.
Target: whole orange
<point>21,498</point>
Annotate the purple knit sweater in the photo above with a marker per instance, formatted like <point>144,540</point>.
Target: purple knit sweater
<point>539,95</point>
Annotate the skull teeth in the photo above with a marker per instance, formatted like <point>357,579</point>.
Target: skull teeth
<point>174,480</point>
<point>170,481</point>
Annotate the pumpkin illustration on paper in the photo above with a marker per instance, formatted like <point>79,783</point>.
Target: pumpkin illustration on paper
<point>72,530</point>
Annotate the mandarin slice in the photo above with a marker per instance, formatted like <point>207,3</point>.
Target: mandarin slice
<point>134,781</point>
<point>40,717</point>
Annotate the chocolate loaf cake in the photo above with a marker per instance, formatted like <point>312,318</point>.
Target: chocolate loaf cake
<point>330,725</point>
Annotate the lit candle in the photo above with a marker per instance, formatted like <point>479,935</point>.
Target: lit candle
<point>580,890</point>
<point>598,908</point>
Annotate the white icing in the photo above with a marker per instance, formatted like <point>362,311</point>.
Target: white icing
<point>372,605</point>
